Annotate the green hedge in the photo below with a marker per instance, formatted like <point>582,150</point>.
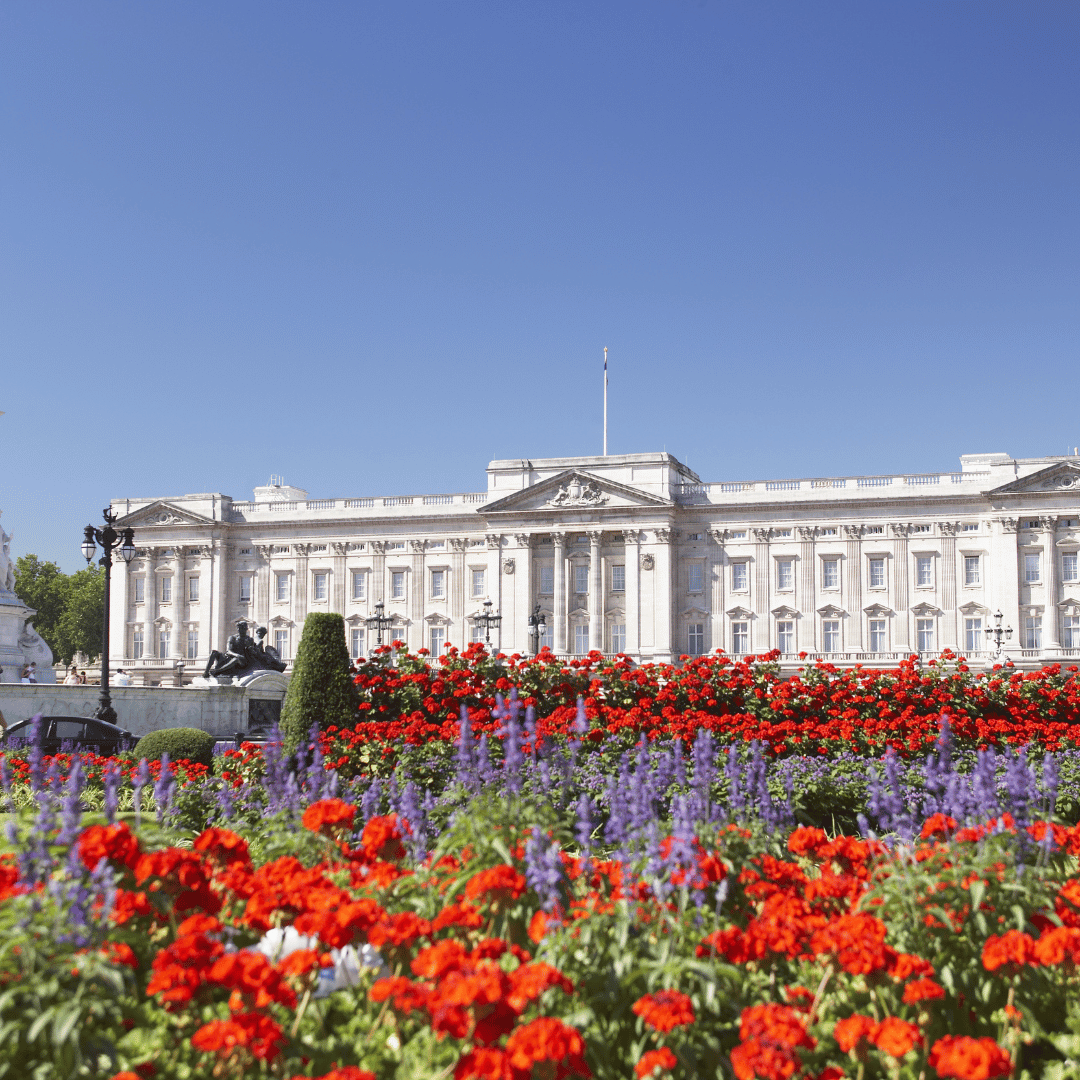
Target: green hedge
<point>181,742</point>
<point>321,689</point>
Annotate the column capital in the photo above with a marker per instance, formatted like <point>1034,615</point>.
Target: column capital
<point>631,536</point>
<point>852,532</point>
<point>719,536</point>
<point>948,528</point>
<point>899,529</point>
<point>494,540</point>
<point>1008,524</point>
<point>302,549</point>
<point>595,535</point>
<point>523,539</point>
<point>263,551</point>
<point>205,551</point>
<point>458,543</point>
<point>416,547</point>
<point>378,546</point>
<point>1048,523</point>
<point>806,532</point>
<point>559,539</point>
<point>762,535</point>
<point>663,536</point>
<point>339,547</point>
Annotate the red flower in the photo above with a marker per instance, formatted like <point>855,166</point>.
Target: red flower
<point>546,1039</point>
<point>381,839</point>
<point>223,847</point>
<point>328,815</point>
<point>969,1059</point>
<point>112,842</point>
<point>498,883</point>
<point>344,1072</point>
<point>1058,944</point>
<point>922,990</point>
<point>665,1009</point>
<point>1013,947</point>
<point>256,1033</point>
<point>938,825</point>
<point>896,1036</point>
<point>483,1063</point>
<point>850,1032</point>
<point>655,1062</point>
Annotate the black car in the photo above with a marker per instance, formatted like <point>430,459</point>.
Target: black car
<point>58,733</point>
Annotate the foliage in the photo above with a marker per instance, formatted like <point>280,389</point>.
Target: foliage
<point>321,690</point>
<point>70,607</point>
<point>179,743</point>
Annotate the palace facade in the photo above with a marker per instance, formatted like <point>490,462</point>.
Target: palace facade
<point>626,553</point>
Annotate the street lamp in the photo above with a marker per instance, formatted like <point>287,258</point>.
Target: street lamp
<point>110,541</point>
<point>537,626</point>
<point>997,635</point>
<point>487,621</point>
<point>379,622</point>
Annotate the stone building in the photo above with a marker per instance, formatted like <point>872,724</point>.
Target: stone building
<point>627,553</point>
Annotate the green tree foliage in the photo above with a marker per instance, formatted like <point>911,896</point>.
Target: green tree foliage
<point>179,743</point>
<point>321,689</point>
<point>70,607</point>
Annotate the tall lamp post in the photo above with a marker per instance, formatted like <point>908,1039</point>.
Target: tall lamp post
<point>110,540</point>
<point>487,620</point>
<point>537,626</point>
<point>997,635</point>
<point>379,622</point>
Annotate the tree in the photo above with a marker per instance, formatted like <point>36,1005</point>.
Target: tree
<point>80,626</point>
<point>321,690</point>
<point>42,586</point>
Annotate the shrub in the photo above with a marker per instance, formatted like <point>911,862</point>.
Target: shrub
<point>183,742</point>
<point>321,689</point>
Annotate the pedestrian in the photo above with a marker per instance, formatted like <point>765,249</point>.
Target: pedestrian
<point>82,678</point>
<point>72,677</point>
<point>122,677</point>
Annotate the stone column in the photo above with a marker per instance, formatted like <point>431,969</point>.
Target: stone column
<point>417,596</point>
<point>1006,564</point>
<point>664,615</point>
<point>1050,634</point>
<point>457,634</point>
<point>494,584</point>
<point>150,608</point>
<point>559,617</point>
<point>949,632</point>
<point>179,628</point>
<point>807,576</point>
<point>377,585</point>
<point>301,585</point>
<point>716,563</point>
<point>761,629</point>
<point>338,584</point>
<point>219,569</point>
<point>853,582</point>
<point>632,560</point>
<point>596,591</point>
<point>206,601</point>
<point>261,591</point>
<point>901,589</point>
<point>517,639</point>
<point>118,614</point>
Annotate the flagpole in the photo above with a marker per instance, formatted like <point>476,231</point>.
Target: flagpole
<point>605,401</point>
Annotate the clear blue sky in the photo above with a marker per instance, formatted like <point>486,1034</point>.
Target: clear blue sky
<point>372,245</point>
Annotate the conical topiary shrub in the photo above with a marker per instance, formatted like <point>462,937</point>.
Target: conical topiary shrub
<point>320,690</point>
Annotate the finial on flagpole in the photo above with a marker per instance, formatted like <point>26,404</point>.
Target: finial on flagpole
<point>605,401</point>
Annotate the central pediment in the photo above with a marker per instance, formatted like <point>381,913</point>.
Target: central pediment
<point>160,513</point>
<point>1062,476</point>
<point>573,490</point>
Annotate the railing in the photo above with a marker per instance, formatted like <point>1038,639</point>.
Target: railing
<point>438,500</point>
<point>398,500</point>
<point>924,478</point>
<point>828,483</point>
<point>279,505</point>
<point>735,488</point>
<point>872,481</point>
<point>478,497</point>
<point>782,485</point>
<point>320,504</point>
<point>243,507</point>
<point>359,504</point>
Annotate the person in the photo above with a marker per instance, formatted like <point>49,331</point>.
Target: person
<point>82,678</point>
<point>33,672</point>
<point>72,677</point>
<point>24,677</point>
<point>122,678</point>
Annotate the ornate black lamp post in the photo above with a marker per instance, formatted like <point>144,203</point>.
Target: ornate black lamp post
<point>537,626</point>
<point>379,622</point>
<point>110,540</point>
<point>487,620</point>
<point>997,635</point>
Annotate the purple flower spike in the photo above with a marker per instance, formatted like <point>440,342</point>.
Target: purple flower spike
<point>163,789</point>
<point>111,780</point>
<point>140,780</point>
<point>544,869</point>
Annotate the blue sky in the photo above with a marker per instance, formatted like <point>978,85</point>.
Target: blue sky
<point>373,245</point>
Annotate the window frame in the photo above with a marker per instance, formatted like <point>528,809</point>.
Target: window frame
<point>397,578</point>
<point>192,643</point>
<point>875,563</point>
<point>740,628</point>
<point>929,561</point>
<point>359,585</point>
<point>318,576</point>
<point>437,574</point>
<point>695,639</point>
<point>785,628</point>
<point>282,577</point>
<point>618,577</point>
<point>193,588</point>
<point>740,567</point>
<point>972,562</point>
<point>245,581</point>
<point>1032,567</point>
<point>826,562</point>
<point>617,637</point>
<point>581,573</point>
<point>878,628</point>
<point>695,576</point>
<point>826,633</point>
<point>165,588</point>
<point>140,590</point>
<point>925,625</point>
<point>1075,559</point>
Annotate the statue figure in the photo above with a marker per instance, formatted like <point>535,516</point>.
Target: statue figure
<point>243,655</point>
<point>7,568</point>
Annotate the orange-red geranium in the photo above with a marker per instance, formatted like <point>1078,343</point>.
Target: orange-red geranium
<point>966,1058</point>
<point>546,1040</point>
<point>328,815</point>
<point>655,1063</point>
<point>258,1034</point>
<point>665,1009</point>
<point>1012,948</point>
<point>895,1036</point>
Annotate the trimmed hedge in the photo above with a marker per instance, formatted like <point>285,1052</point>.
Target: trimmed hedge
<point>181,742</point>
<point>321,690</point>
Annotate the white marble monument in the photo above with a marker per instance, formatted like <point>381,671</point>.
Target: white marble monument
<point>20,643</point>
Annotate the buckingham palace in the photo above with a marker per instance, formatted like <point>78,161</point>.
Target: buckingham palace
<point>628,553</point>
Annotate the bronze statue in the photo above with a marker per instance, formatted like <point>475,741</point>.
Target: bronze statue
<point>243,655</point>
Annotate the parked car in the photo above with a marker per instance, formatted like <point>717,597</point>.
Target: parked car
<point>62,732</point>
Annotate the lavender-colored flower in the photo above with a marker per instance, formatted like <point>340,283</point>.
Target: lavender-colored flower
<point>513,758</point>
<point>71,816</point>
<point>111,781</point>
<point>163,789</point>
<point>467,773</point>
<point>544,869</point>
<point>583,829</point>
<point>36,758</point>
<point>371,800</point>
<point>139,781</point>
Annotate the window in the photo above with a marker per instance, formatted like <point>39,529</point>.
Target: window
<point>164,643</point>
<point>924,634</point>
<point>438,585</point>
<point>830,574</point>
<point>137,645</point>
<point>478,583</point>
<point>166,590</point>
<point>782,534</point>
<point>1033,632</point>
<point>1031,569</point>
<point>1071,635</point>
<point>831,531</point>
<point>245,588</point>
<point>695,577</point>
<point>581,639</point>
<point>281,643</point>
<point>877,635</point>
<point>695,536</point>
<point>396,545</point>
<point>359,585</point>
<point>547,580</point>
<point>68,730</point>
<point>320,586</point>
<point>971,570</point>
<point>874,530</point>
<point>140,590</point>
<point>830,635</point>
<point>877,573</point>
<point>924,571</point>
<point>192,643</point>
<point>437,639</point>
<point>695,639</point>
<point>785,574</point>
<point>397,585</point>
<point>738,534</point>
<point>436,545</point>
<point>785,635</point>
<point>476,632</point>
<point>618,637</point>
<point>282,585</point>
<point>973,635</point>
<point>547,640</point>
<point>618,578</point>
<point>969,526</point>
<point>920,528</point>
<point>1068,566</point>
<point>581,579</point>
<point>193,590</point>
<point>739,577</point>
<point>356,642</point>
<point>740,638</point>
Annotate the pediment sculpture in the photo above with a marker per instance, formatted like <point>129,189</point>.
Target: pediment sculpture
<point>578,493</point>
